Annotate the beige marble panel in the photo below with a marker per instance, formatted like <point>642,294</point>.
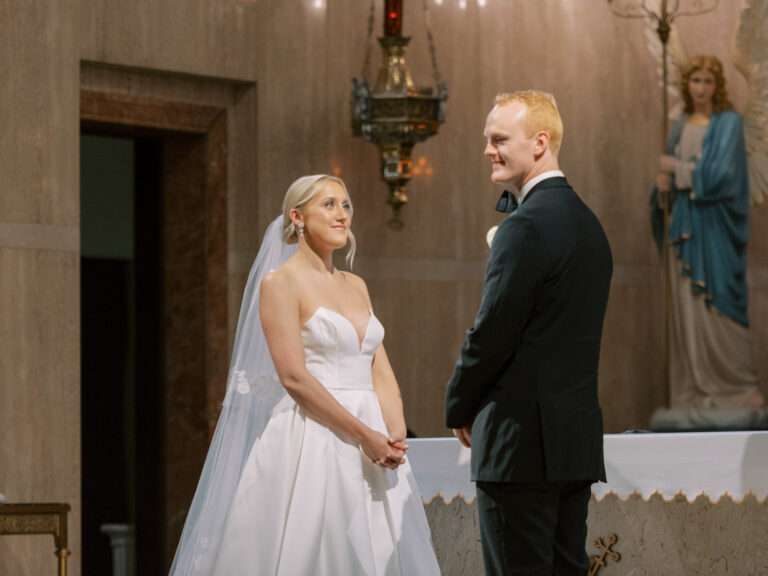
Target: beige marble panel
<point>39,396</point>
<point>758,243</point>
<point>235,286</point>
<point>213,38</point>
<point>421,319</point>
<point>244,214</point>
<point>40,237</point>
<point>632,354</point>
<point>758,290</point>
<point>39,272</point>
<point>153,84</point>
<point>758,314</point>
<point>38,128</point>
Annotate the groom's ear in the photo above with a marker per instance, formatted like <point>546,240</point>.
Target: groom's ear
<point>541,143</point>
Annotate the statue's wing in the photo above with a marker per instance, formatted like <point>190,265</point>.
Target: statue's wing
<point>750,55</point>
<point>677,59</point>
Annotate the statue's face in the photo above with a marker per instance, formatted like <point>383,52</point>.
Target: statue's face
<point>702,85</point>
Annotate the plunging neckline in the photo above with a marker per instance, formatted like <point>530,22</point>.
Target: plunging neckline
<point>360,341</point>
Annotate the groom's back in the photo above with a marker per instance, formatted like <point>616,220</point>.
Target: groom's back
<point>558,355</point>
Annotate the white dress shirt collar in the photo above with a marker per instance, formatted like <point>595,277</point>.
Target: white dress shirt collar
<point>533,181</point>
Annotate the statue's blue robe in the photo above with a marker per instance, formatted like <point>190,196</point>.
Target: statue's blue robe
<point>709,224</point>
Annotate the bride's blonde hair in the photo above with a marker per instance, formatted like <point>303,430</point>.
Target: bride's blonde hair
<point>298,194</point>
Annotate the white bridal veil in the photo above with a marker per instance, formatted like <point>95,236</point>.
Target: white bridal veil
<point>253,390</point>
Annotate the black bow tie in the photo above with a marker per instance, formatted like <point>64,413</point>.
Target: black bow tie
<point>507,202</point>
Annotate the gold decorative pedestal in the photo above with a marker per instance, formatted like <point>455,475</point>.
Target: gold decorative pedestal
<point>20,519</point>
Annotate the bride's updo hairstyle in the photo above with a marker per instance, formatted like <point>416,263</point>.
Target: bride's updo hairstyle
<point>298,194</point>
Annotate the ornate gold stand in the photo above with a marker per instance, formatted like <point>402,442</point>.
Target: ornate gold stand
<point>16,519</point>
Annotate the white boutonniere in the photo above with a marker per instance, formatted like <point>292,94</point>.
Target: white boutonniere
<point>490,234</point>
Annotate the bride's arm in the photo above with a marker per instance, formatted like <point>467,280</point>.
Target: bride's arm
<point>388,391</point>
<point>279,312</point>
<point>385,383</point>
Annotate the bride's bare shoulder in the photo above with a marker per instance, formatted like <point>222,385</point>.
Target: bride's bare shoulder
<point>281,281</point>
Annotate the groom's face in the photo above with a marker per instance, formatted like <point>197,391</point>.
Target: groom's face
<point>507,144</point>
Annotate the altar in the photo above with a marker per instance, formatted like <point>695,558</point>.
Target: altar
<point>674,505</point>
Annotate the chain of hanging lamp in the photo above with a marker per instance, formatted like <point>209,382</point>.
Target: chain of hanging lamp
<point>430,41</point>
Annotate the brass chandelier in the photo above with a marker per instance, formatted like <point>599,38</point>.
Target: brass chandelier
<point>396,115</point>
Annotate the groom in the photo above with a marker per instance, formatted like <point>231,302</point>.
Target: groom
<point>523,393</point>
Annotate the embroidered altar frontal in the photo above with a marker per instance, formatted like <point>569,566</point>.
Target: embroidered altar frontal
<point>674,505</point>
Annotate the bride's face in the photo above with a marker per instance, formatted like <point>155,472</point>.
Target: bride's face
<point>328,216</point>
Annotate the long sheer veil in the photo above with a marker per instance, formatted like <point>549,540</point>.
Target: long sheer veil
<point>253,391</point>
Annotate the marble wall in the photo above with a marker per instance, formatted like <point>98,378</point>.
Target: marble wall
<point>294,63</point>
<point>39,270</point>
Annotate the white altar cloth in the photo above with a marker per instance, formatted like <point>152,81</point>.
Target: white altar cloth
<point>710,463</point>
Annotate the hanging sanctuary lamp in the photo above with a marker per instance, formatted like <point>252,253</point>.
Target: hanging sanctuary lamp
<point>395,115</point>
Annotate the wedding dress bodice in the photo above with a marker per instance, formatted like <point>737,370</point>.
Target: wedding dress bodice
<point>334,352</point>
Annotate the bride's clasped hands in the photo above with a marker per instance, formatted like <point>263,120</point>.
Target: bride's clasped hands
<point>386,452</point>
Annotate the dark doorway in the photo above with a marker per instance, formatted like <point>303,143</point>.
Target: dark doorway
<point>121,310</point>
<point>154,317</point>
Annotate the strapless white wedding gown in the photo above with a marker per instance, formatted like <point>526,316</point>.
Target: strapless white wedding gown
<point>309,502</point>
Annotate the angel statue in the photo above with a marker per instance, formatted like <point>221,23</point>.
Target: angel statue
<point>714,167</point>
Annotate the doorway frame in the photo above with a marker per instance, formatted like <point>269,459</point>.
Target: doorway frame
<point>188,408</point>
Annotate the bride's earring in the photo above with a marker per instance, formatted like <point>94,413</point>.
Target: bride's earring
<point>300,229</point>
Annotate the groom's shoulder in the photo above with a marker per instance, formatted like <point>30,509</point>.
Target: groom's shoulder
<point>554,200</point>
<point>518,221</point>
<point>516,230</point>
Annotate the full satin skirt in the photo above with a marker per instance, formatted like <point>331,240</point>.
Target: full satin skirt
<point>310,503</point>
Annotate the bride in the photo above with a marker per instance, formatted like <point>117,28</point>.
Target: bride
<point>306,473</point>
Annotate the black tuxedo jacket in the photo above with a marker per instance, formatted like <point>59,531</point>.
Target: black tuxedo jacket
<point>526,379</point>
